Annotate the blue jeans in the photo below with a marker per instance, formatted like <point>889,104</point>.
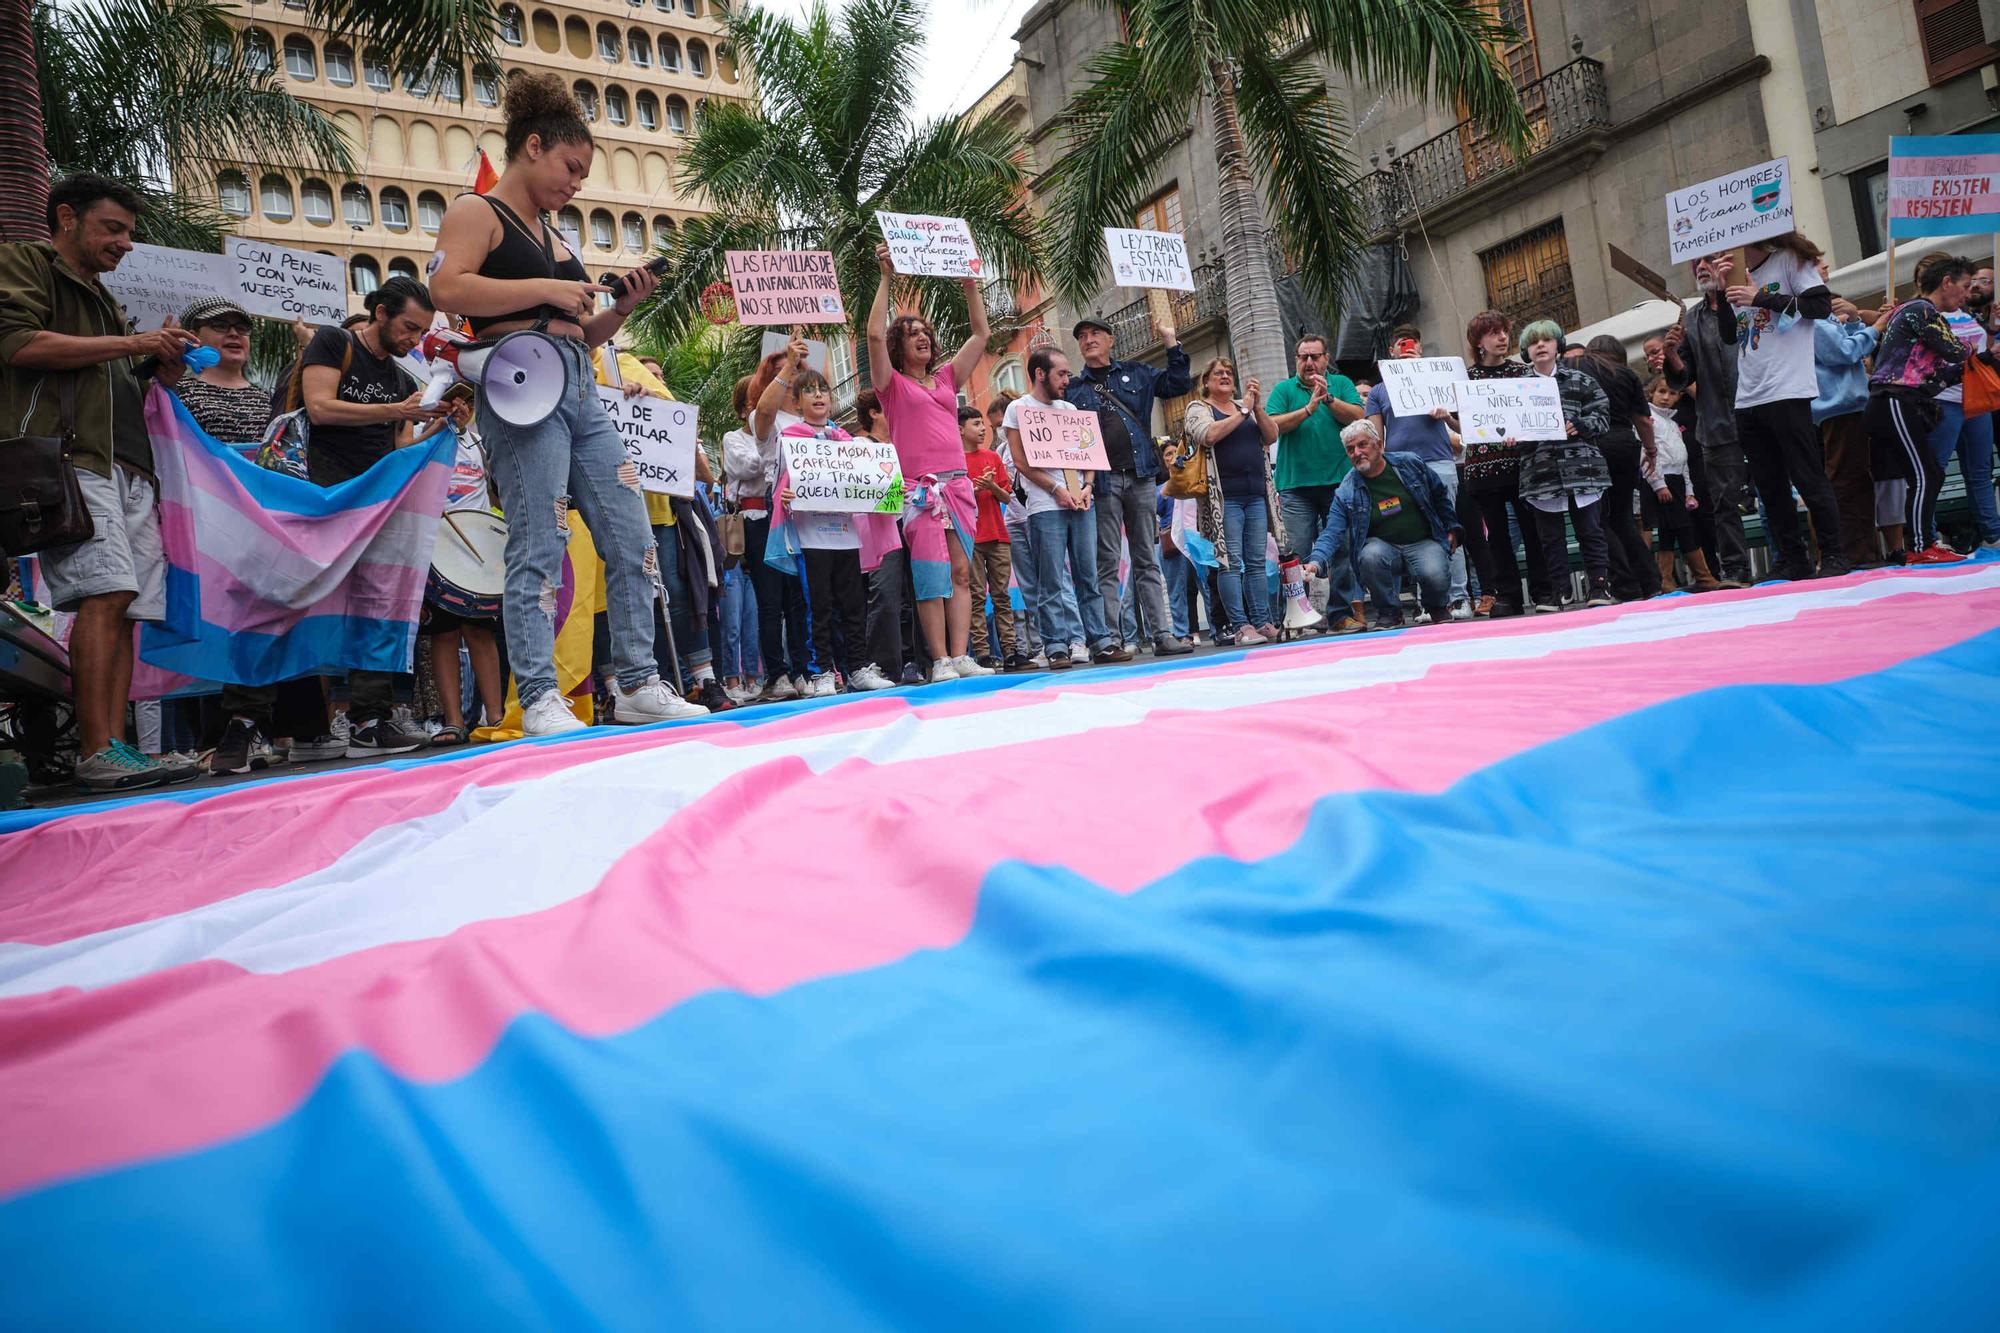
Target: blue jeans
<point>1071,533</point>
<point>1447,472</point>
<point>541,472</point>
<point>1972,437</point>
<point>690,635</point>
<point>1383,564</point>
<point>1175,567</point>
<point>739,625</point>
<point>1304,509</point>
<point>1246,528</point>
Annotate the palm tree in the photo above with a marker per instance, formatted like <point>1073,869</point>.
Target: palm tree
<point>139,91</point>
<point>830,142</point>
<point>702,366</point>
<point>1276,126</point>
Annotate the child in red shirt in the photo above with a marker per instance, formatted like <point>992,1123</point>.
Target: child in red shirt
<point>992,557</point>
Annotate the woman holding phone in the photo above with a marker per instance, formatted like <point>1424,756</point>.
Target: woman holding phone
<point>500,263</point>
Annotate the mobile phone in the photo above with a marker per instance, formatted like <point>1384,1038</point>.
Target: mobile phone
<point>460,392</point>
<point>656,265</point>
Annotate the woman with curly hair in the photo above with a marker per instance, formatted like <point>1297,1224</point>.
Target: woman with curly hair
<point>920,402</point>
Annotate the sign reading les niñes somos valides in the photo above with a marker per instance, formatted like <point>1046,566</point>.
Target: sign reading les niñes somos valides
<point>1729,211</point>
<point>1528,408</point>
<point>1942,185</point>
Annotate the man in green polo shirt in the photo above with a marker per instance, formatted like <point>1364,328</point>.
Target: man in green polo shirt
<point>1309,410</point>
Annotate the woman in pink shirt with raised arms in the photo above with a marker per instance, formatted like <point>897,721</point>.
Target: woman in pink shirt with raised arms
<point>920,402</point>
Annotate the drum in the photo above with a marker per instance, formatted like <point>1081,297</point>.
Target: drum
<point>469,565</point>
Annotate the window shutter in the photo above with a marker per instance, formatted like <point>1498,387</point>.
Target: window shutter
<point>1953,39</point>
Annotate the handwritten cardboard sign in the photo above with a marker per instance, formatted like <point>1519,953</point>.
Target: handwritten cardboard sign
<point>785,287</point>
<point>1528,408</point>
<point>1942,185</point>
<point>1650,282</point>
<point>659,438</point>
<point>1730,211</point>
<point>155,282</point>
<point>1418,384</point>
<point>929,247</point>
<point>1149,259</point>
<point>1052,438</point>
<point>858,476</point>
<point>278,282</point>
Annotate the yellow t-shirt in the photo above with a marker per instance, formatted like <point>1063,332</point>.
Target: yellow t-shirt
<point>659,508</point>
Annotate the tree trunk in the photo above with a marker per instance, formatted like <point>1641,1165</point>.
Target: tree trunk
<point>24,171</point>
<point>1256,324</point>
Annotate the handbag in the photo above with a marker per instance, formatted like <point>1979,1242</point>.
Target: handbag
<point>730,526</point>
<point>1187,471</point>
<point>289,436</point>
<point>41,498</point>
<point>1982,386</point>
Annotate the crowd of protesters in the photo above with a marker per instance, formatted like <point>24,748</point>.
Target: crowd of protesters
<point>1771,395</point>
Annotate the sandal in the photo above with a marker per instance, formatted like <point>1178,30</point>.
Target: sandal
<point>449,736</point>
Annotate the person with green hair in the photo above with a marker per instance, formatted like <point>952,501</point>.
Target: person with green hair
<point>1568,476</point>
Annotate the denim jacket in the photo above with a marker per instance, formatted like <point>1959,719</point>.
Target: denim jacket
<point>1133,385</point>
<point>1347,517</point>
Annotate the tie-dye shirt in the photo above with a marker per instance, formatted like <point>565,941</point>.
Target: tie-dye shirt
<point>1918,355</point>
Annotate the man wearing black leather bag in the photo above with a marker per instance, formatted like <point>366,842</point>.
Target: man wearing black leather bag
<point>60,328</point>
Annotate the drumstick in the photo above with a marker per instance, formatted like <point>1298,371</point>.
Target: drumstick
<point>462,541</point>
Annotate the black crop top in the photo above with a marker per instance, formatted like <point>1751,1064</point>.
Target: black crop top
<point>524,253</point>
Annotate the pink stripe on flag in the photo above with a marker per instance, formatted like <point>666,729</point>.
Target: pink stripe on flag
<point>184,1058</point>
<point>1946,164</point>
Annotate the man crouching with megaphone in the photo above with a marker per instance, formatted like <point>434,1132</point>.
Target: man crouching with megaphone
<point>502,265</point>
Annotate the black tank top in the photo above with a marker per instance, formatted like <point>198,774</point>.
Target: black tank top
<point>524,253</point>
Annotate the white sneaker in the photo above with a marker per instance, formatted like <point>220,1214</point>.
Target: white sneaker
<point>1461,611</point>
<point>341,729</point>
<point>1079,651</point>
<point>651,702</point>
<point>738,695</point>
<point>1040,661</point>
<point>550,716</point>
<point>942,670</point>
<point>1250,638</point>
<point>870,677</point>
<point>781,687</point>
<point>822,686</point>
<point>967,668</point>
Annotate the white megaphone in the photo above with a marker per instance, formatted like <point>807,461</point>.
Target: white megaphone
<point>522,372</point>
<point>1299,613</point>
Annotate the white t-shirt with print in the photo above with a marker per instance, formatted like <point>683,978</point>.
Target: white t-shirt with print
<point>1966,328</point>
<point>1773,363</point>
<point>467,489</point>
<point>1039,500</point>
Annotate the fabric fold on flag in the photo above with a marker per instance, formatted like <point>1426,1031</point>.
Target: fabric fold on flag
<point>270,577</point>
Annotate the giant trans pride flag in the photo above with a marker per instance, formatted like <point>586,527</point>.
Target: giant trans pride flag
<point>1635,968</point>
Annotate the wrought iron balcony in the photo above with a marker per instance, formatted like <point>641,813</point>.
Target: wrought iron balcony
<point>1132,326</point>
<point>1569,104</point>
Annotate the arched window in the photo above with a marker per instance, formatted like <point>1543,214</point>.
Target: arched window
<point>677,115</point>
<point>452,86</point>
<point>698,59</point>
<point>401,267</point>
<point>548,32</point>
<point>375,71</point>
<point>274,197</point>
<point>258,54</point>
<point>233,188</point>
<point>601,233</point>
<point>513,28</point>
<point>570,223</point>
<point>316,201</point>
<point>576,36</point>
<point>430,211</point>
<point>586,97</point>
<point>634,228</point>
<point>615,109</point>
<point>670,54</point>
<point>416,84</point>
<point>610,47</point>
<point>339,65</point>
<point>362,275</point>
<point>355,205</point>
<point>1008,375</point>
<point>664,6</point>
<point>663,229</point>
<point>640,47</point>
<point>487,89</point>
<point>649,111</point>
<point>395,208</point>
<point>691,8</point>
<point>300,61</point>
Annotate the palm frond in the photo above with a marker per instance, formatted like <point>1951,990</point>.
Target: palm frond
<point>1446,51</point>
<point>425,39</point>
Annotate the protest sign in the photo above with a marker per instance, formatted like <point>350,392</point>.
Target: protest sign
<point>659,437</point>
<point>785,287</point>
<point>282,283</point>
<point>1528,408</point>
<point>1149,258</point>
<point>1942,185</point>
<point>1056,439</point>
<point>1730,211</point>
<point>929,247</point>
<point>858,476</point>
<point>1652,283</point>
<point>777,342</point>
<point>1417,384</point>
<point>155,282</point>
